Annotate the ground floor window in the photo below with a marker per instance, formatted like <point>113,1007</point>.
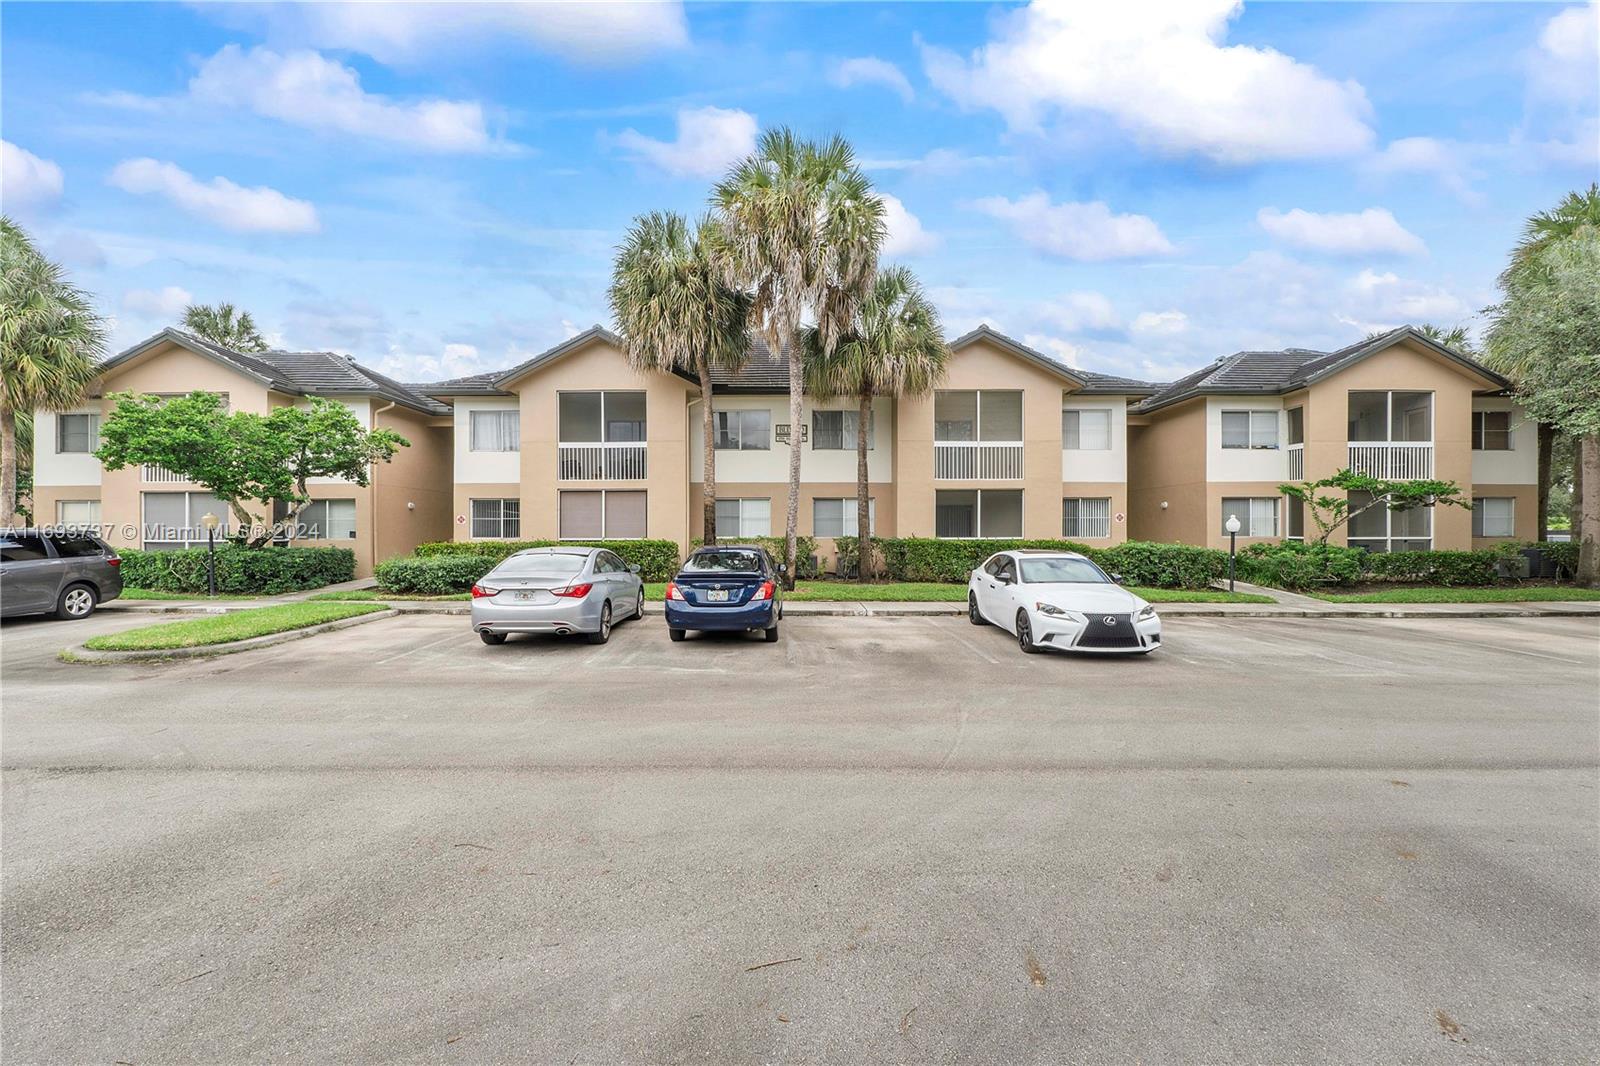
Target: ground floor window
<point>838,517</point>
<point>328,520</point>
<point>977,513</point>
<point>174,519</point>
<point>1258,515</point>
<point>602,514</point>
<point>744,518</point>
<point>80,514</point>
<point>1378,529</point>
<point>1494,516</point>
<point>1295,511</point>
<point>1085,516</point>
<point>497,519</point>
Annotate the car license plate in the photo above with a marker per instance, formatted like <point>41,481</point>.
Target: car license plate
<point>525,597</point>
<point>717,595</point>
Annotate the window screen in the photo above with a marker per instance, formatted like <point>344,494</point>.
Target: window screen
<point>836,430</point>
<point>1491,431</point>
<point>1086,517</point>
<point>837,517</point>
<point>500,518</point>
<point>1494,516</point>
<point>77,432</point>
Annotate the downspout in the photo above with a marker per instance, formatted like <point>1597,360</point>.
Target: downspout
<point>372,490</point>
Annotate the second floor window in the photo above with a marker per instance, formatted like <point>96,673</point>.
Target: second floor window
<point>1250,429</point>
<point>977,415</point>
<point>602,417</point>
<point>1397,417</point>
<point>495,431</point>
<point>77,432</point>
<point>1297,425</point>
<point>836,430</point>
<point>1491,431</point>
<point>1087,430</point>
<point>743,431</point>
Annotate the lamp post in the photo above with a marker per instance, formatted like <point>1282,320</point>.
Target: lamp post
<point>211,521</point>
<point>1232,526</point>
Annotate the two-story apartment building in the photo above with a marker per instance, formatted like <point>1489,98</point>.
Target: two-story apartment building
<point>575,444</point>
<point>1219,442</point>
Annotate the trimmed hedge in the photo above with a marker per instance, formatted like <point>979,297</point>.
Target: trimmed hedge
<point>1294,565</point>
<point>657,560</point>
<point>1297,565</point>
<point>434,575</point>
<point>239,570</point>
<point>951,561</point>
<point>805,549</point>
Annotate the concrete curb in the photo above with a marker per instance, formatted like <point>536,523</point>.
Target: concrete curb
<point>83,654</point>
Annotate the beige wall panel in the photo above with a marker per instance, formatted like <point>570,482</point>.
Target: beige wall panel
<point>1167,463</point>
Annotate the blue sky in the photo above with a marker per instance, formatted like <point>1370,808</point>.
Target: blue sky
<point>1133,188</point>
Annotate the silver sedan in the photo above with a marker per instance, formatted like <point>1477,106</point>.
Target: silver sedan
<point>556,590</point>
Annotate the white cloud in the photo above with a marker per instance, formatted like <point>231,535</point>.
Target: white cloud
<point>939,161</point>
<point>233,207</point>
<point>1427,155</point>
<point>1059,350</point>
<point>26,180</point>
<point>869,70</point>
<point>409,33</point>
<point>709,140</point>
<point>305,89</point>
<point>1078,312</point>
<point>167,303</point>
<point>1373,231</point>
<point>906,236</point>
<point>1161,323</point>
<point>1374,302</point>
<point>1084,231</point>
<point>1162,72</point>
<point>1566,64</point>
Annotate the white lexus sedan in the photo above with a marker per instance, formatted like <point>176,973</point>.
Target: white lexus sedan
<point>1060,600</point>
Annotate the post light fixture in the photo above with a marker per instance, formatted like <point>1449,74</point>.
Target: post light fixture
<point>1232,526</point>
<point>211,522</point>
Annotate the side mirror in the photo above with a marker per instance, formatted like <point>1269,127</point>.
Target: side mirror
<point>633,568</point>
<point>783,568</point>
<point>1117,578</point>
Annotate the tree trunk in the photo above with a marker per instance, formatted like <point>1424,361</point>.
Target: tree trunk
<point>708,458</point>
<point>1588,529</point>
<point>863,498</point>
<point>8,466</point>
<point>1575,508</point>
<point>796,426</point>
<point>1547,445</point>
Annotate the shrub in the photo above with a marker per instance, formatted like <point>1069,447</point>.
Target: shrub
<point>657,560</point>
<point>1139,563</point>
<point>1435,567</point>
<point>805,549</point>
<point>1295,565</point>
<point>1163,566</point>
<point>239,570</point>
<point>434,575</point>
<point>1563,553</point>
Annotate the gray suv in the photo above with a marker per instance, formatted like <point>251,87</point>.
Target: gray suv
<point>65,572</point>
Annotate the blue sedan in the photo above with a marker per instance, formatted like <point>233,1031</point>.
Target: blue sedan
<point>728,587</point>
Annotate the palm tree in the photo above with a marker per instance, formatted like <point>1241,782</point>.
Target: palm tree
<point>674,311</point>
<point>1575,211</point>
<point>222,324</point>
<point>800,231</point>
<point>51,341</point>
<point>1455,337</point>
<point>895,347</point>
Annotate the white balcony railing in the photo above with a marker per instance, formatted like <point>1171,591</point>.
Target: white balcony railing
<point>1297,462</point>
<point>977,460</point>
<point>160,475</point>
<point>612,461</point>
<point>1392,460</point>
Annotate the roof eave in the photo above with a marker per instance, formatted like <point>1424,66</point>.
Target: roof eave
<point>187,343</point>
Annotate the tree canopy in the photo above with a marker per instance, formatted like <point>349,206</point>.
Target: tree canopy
<point>1329,512</point>
<point>225,325</point>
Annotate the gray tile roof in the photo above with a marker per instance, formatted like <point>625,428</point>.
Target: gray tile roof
<point>471,385</point>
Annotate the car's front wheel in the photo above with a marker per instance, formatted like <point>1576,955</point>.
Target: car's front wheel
<point>1025,634</point>
<point>604,633</point>
<point>974,615</point>
<point>491,638</point>
<point>77,601</point>
<point>638,608</point>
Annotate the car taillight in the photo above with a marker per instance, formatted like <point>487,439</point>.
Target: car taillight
<point>763,593</point>
<point>115,560</point>
<point>673,591</point>
<point>479,591</point>
<point>576,592</point>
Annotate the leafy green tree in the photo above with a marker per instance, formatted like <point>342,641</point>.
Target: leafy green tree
<point>799,230</point>
<point>51,343</point>
<point>895,347</point>
<point>1330,512</point>
<point>224,325</point>
<point>243,456</point>
<point>675,311</point>
<point>1550,322</point>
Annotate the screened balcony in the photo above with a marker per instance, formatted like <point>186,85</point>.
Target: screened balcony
<point>1391,435</point>
<point>602,436</point>
<point>977,435</point>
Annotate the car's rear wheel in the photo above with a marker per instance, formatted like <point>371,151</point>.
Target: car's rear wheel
<point>974,615</point>
<point>1025,634</point>
<point>492,638</point>
<point>638,608</point>
<point>772,634</point>
<point>77,601</point>
<point>675,634</point>
<point>605,626</point>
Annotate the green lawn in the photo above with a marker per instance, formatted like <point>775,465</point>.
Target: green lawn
<point>158,594</point>
<point>226,628</point>
<point>1512,594</point>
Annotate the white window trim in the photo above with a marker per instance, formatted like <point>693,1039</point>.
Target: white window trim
<point>94,432</point>
<point>741,412</point>
<point>61,519</point>
<point>740,520</point>
<point>1477,517</point>
<point>191,521</point>
<point>843,412</point>
<point>325,501</point>
<point>1483,435</point>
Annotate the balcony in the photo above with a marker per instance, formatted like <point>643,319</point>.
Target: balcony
<point>609,461</point>
<point>160,475</point>
<point>1296,454</point>
<point>973,460</point>
<point>1392,460</point>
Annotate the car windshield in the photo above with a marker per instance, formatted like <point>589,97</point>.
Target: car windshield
<point>541,566</point>
<point>1052,571</point>
<point>726,561</point>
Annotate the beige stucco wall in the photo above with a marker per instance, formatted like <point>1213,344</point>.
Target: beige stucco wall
<point>599,366</point>
<point>46,497</point>
<point>1167,464</point>
<point>418,475</point>
<point>1115,491</point>
<point>1525,520</point>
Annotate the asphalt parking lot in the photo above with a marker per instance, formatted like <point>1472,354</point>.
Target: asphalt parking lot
<point>877,840</point>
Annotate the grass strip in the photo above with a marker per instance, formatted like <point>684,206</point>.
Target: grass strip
<point>1532,594</point>
<point>228,628</point>
<point>161,594</point>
